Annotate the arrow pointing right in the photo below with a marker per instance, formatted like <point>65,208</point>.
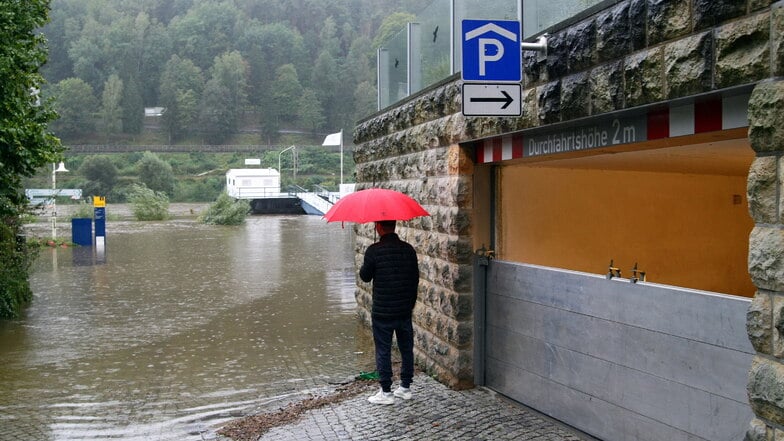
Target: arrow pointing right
<point>492,99</point>
<point>507,100</point>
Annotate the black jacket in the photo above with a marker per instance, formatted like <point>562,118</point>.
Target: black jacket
<point>393,267</point>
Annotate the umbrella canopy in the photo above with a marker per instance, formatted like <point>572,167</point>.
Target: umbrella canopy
<point>375,204</point>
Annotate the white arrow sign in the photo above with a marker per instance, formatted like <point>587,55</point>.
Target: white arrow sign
<point>491,100</point>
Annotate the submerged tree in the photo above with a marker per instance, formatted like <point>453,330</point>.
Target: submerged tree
<point>148,204</point>
<point>226,211</point>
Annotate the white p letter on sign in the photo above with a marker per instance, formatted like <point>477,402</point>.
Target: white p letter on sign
<point>485,57</point>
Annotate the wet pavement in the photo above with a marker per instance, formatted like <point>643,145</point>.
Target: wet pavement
<point>434,413</point>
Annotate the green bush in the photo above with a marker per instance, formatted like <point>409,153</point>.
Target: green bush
<point>15,290</point>
<point>226,211</point>
<point>148,204</point>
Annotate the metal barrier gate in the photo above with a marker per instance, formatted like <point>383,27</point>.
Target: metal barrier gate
<point>617,360</point>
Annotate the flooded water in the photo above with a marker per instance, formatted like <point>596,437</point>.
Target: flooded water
<point>184,326</point>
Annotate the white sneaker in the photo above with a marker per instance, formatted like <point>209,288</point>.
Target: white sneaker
<point>403,392</point>
<point>382,397</point>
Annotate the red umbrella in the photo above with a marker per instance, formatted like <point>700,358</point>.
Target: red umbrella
<point>375,204</point>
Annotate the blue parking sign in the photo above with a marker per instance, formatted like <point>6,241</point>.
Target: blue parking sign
<point>491,50</point>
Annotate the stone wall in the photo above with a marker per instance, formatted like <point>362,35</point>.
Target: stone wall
<point>765,322</point>
<point>636,52</point>
<point>414,149</point>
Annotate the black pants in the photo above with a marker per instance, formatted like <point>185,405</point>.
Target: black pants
<point>382,335</point>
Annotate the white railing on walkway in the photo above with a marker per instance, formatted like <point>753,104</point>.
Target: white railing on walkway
<point>315,201</point>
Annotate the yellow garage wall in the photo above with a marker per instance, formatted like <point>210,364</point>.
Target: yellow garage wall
<point>688,230</point>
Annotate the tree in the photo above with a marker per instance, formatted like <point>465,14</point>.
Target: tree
<point>76,104</point>
<point>101,175</point>
<point>156,173</point>
<point>286,92</point>
<point>111,105</point>
<point>325,82</point>
<point>311,114</point>
<point>230,71</point>
<point>155,48</point>
<point>207,30</point>
<point>180,91</point>
<point>25,142</point>
<point>132,107</point>
<point>216,119</point>
<point>266,47</point>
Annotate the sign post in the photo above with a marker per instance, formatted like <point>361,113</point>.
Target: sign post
<point>492,68</point>
<point>99,207</point>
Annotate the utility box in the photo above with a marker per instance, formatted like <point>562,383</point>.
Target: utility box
<point>82,231</point>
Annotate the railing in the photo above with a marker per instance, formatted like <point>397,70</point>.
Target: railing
<point>318,203</point>
<point>254,192</point>
<point>295,189</point>
<point>99,148</point>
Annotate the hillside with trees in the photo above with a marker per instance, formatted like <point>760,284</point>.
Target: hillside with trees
<point>218,67</point>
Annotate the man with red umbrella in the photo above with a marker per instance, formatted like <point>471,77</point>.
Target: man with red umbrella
<point>393,267</point>
<point>391,264</point>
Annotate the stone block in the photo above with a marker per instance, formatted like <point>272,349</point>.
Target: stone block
<point>781,189</point>
<point>557,51</point>
<point>762,189</point>
<point>549,102</point>
<point>743,51</point>
<point>530,117</point>
<point>638,21</point>
<point>613,39</point>
<point>643,77</point>
<point>777,38</point>
<point>606,88</point>
<point>458,161</point>
<point>766,389</point>
<point>709,13</point>
<point>442,300</point>
<point>575,96</point>
<point>450,365</point>
<point>766,117</point>
<point>667,20</point>
<point>777,307</point>
<point>437,103</point>
<point>688,65</point>
<point>455,128</point>
<point>759,323</point>
<point>755,5</point>
<point>766,257</point>
<point>581,46</point>
<point>534,68</point>
<point>757,431</point>
<point>465,307</point>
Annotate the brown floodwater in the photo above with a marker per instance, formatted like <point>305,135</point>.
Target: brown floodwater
<point>179,328</point>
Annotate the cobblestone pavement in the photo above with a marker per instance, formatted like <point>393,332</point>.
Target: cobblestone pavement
<point>435,413</point>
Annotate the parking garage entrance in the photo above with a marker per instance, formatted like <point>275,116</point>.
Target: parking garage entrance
<point>617,298</point>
